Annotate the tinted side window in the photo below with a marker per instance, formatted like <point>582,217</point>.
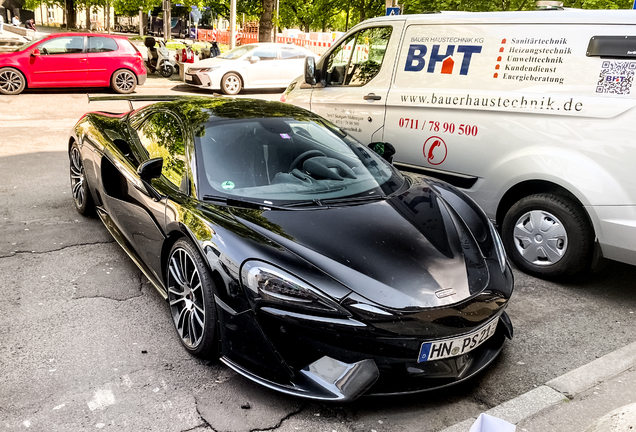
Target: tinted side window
<point>265,53</point>
<point>162,136</point>
<point>359,58</point>
<point>63,45</point>
<point>101,44</point>
<point>287,53</point>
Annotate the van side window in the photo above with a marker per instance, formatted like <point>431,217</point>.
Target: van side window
<point>359,58</point>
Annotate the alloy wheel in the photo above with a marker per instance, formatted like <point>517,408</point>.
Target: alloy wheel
<point>125,82</point>
<point>186,298</point>
<point>77,178</point>
<point>11,81</point>
<point>232,84</point>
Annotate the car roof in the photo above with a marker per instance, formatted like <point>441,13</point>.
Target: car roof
<point>552,16</point>
<point>85,34</point>
<point>221,109</point>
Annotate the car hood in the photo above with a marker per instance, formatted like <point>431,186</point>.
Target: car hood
<point>212,62</point>
<point>412,250</point>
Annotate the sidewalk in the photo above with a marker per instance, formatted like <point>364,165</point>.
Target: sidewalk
<point>578,401</point>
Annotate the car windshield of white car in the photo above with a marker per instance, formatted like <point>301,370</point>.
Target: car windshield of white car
<point>287,160</point>
<point>237,52</point>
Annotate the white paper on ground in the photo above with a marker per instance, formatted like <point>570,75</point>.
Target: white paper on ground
<point>488,423</point>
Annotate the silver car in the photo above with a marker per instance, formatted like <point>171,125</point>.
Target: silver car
<point>260,65</point>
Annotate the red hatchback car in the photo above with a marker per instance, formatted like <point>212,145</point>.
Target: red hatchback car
<point>73,60</point>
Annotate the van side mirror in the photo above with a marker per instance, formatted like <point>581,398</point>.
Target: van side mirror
<point>150,169</point>
<point>310,70</point>
<point>384,149</point>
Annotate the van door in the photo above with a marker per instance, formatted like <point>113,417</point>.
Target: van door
<point>355,80</point>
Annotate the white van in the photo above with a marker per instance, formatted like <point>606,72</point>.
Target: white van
<point>529,113</point>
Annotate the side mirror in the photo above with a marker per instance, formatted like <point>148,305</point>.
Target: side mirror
<point>254,59</point>
<point>150,169</point>
<point>310,70</point>
<point>384,149</point>
<point>35,52</point>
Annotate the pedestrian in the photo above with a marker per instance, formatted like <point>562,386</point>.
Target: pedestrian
<point>1,23</point>
<point>30,24</point>
<point>15,21</point>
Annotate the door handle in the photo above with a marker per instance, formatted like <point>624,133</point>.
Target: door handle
<point>82,60</point>
<point>372,96</point>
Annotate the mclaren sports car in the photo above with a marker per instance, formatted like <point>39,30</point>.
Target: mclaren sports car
<point>300,258</point>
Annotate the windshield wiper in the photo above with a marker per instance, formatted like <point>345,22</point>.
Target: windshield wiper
<point>235,202</point>
<point>326,202</point>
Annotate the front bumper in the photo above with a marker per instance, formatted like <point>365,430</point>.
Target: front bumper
<point>202,80</point>
<point>341,359</point>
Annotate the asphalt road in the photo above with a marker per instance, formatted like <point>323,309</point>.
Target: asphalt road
<point>86,343</point>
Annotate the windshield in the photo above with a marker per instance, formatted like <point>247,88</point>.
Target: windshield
<point>29,44</point>
<point>289,160</point>
<point>237,52</point>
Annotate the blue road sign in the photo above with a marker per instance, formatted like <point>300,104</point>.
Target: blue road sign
<point>392,11</point>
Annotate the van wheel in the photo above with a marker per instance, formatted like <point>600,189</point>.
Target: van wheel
<point>231,84</point>
<point>548,236</point>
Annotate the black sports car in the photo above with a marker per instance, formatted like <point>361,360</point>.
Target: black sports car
<point>300,257</point>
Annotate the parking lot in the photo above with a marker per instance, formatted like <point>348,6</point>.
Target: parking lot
<point>86,342</point>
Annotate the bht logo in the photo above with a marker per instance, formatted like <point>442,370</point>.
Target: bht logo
<point>415,60</point>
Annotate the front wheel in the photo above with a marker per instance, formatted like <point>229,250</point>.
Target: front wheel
<point>548,236</point>
<point>191,300</point>
<point>123,81</point>
<point>12,82</point>
<point>231,84</point>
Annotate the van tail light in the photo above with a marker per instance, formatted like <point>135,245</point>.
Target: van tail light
<point>283,97</point>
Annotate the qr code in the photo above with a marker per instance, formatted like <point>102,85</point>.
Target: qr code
<point>616,77</point>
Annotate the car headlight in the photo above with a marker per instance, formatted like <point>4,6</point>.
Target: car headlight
<point>265,283</point>
<point>499,247</point>
<point>208,69</point>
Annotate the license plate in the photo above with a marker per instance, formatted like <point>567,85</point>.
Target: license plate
<point>458,346</point>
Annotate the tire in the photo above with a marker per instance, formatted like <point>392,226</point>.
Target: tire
<point>548,236</point>
<point>123,81</point>
<point>231,84</point>
<point>79,186</point>
<point>166,70</point>
<point>12,82</point>
<point>191,300</point>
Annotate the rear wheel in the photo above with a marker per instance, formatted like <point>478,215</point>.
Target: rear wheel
<point>191,300</point>
<point>123,81</point>
<point>79,187</point>
<point>231,83</point>
<point>12,82</point>
<point>548,236</point>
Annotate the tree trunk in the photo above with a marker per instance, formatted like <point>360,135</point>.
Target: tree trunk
<point>265,24</point>
<point>71,21</point>
<point>363,11</point>
<point>88,17</point>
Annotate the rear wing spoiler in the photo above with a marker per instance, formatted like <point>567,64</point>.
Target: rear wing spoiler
<point>147,98</point>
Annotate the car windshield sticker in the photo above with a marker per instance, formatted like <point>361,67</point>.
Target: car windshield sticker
<point>227,185</point>
<point>285,136</point>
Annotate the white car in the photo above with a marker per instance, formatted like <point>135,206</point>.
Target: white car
<point>260,65</point>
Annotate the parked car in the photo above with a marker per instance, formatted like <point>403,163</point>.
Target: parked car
<point>300,257</point>
<point>260,65</point>
<point>529,112</point>
<point>73,60</point>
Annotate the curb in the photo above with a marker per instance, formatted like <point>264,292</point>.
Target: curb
<point>560,389</point>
